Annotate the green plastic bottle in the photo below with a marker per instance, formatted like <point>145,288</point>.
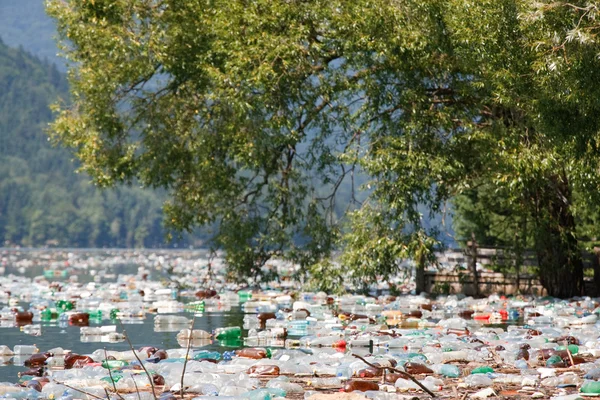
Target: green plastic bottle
<point>115,378</point>
<point>64,305</point>
<point>573,348</point>
<point>231,342</point>
<point>230,332</point>
<point>590,387</point>
<point>114,364</point>
<point>97,314</point>
<point>550,362</point>
<point>195,306</point>
<point>449,371</point>
<point>482,370</point>
<point>207,355</point>
<point>244,296</point>
<point>48,315</point>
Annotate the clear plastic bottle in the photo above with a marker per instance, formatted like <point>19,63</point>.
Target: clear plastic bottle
<point>478,380</point>
<point>34,330</point>
<point>325,383</point>
<point>170,320</point>
<point>25,349</point>
<point>447,370</point>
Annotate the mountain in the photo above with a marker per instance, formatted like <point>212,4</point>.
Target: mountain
<point>24,23</point>
<point>42,200</point>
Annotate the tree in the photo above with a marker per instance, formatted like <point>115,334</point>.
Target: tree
<point>247,111</point>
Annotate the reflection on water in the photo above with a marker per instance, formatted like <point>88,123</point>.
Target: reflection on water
<point>141,332</point>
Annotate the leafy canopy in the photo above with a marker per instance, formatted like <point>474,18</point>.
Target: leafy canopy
<point>252,113</point>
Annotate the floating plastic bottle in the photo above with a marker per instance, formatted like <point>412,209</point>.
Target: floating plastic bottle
<point>363,386</point>
<point>171,320</point>
<point>193,334</point>
<point>590,387</point>
<point>206,355</point>
<point>101,330</point>
<point>25,350</point>
<point>231,332</point>
<point>34,330</point>
<point>482,370</point>
<point>255,353</point>
<point>325,383</point>
<point>114,364</point>
<point>264,370</point>
<point>447,370</point>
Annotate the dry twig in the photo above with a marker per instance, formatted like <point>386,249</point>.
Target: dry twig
<point>80,390</point>
<point>403,373</point>
<point>138,358</point>
<point>189,344</point>
<point>111,377</point>
<point>569,353</point>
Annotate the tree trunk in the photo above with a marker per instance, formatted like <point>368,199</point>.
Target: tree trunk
<point>558,253</point>
<point>473,264</point>
<point>596,266</point>
<point>420,275</point>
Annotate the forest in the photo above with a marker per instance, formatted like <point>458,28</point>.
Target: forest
<point>43,201</point>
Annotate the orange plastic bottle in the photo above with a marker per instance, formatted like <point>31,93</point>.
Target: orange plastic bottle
<point>253,352</point>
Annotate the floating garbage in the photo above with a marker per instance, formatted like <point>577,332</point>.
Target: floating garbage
<point>275,341</point>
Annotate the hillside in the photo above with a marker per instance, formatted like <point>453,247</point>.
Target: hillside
<point>24,23</point>
<point>42,200</point>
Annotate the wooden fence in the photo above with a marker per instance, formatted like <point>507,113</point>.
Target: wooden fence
<point>460,280</point>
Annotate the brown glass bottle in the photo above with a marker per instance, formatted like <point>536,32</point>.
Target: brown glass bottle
<point>523,354</point>
<point>149,350</point>
<point>158,380</point>
<point>414,368</point>
<point>37,371</point>
<point>79,319</point>
<point>23,317</point>
<point>576,360</point>
<point>74,360</point>
<point>160,354</point>
<point>392,377</point>
<point>37,360</point>
<point>369,372</point>
<point>206,293</point>
<point>263,317</point>
<point>363,386</point>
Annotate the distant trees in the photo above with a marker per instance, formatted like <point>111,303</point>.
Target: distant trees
<point>42,200</point>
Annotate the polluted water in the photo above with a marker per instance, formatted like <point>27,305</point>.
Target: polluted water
<point>171,326</point>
